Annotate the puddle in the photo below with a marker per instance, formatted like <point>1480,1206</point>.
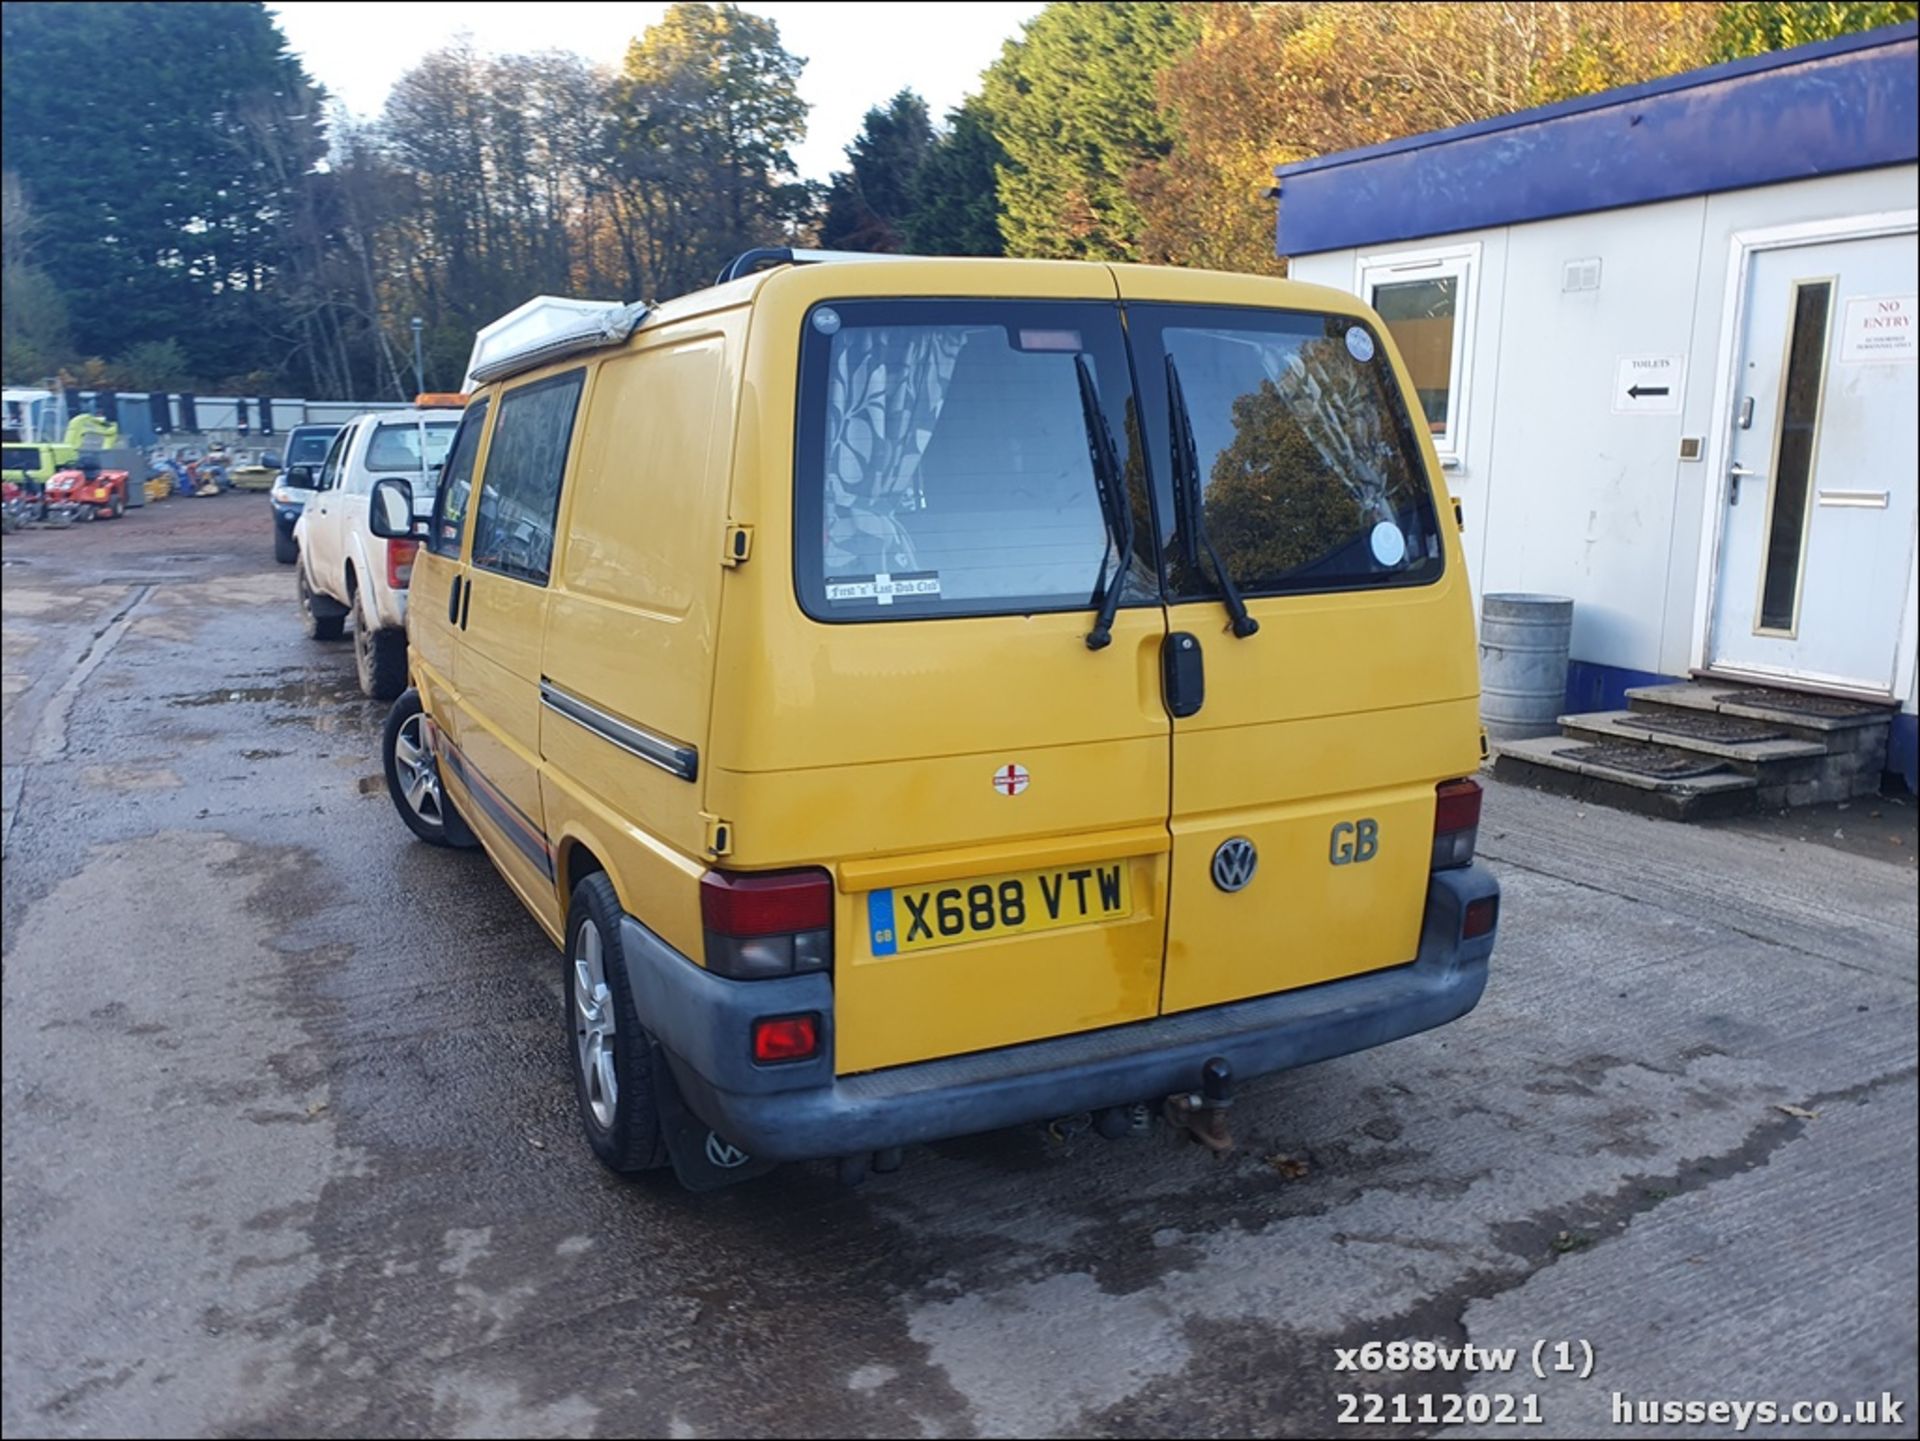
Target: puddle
<point>328,692</point>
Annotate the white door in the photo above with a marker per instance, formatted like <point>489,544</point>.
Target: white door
<point>325,508</point>
<point>1817,550</point>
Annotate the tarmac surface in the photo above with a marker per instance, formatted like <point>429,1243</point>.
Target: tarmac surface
<point>290,1144</point>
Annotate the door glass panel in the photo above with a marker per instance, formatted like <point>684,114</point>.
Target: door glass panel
<point>945,462</point>
<point>396,446</point>
<point>330,472</point>
<point>520,489</point>
<point>1420,314</point>
<point>1793,470</point>
<point>1308,469</point>
<point>456,484</point>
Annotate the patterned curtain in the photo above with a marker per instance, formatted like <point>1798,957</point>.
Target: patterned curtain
<point>884,392</point>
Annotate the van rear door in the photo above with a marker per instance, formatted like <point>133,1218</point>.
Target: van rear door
<point>928,720</point>
<point>1306,752</point>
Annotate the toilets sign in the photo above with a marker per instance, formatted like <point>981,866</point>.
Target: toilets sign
<point>1648,384</point>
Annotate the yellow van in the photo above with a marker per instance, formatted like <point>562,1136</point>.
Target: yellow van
<point>921,696</point>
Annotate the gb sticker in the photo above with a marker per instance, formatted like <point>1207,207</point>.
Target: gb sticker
<point>1010,779</point>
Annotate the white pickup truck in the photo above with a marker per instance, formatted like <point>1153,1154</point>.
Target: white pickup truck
<point>345,572</point>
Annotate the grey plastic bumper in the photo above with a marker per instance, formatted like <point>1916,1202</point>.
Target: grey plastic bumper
<point>798,1111</point>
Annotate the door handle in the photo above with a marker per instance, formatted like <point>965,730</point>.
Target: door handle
<point>1183,674</point>
<point>466,605</point>
<point>453,602</point>
<point>1735,474</point>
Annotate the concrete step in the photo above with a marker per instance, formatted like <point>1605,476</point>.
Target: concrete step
<point>1810,713</point>
<point>1540,763</point>
<point>1633,725</point>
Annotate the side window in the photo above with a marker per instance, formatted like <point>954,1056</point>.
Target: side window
<point>520,488</point>
<point>336,457</point>
<point>456,483</point>
<point>1426,301</point>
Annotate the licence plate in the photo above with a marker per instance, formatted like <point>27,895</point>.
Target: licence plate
<point>918,918</point>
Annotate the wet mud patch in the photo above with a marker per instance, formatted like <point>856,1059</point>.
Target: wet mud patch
<point>131,777</point>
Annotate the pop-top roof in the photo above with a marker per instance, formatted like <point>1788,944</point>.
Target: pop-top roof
<point>1824,109</point>
<point>546,328</point>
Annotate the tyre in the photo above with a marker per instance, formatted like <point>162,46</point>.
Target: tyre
<point>379,655</point>
<point>284,550</point>
<point>323,619</point>
<point>413,777</point>
<point>119,504</point>
<point>612,1067</point>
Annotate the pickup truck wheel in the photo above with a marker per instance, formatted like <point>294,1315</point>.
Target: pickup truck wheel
<point>323,619</point>
<point>413,777</point>
<point>284,550</point>
<point>380,656</point>
<point>612,1075</point>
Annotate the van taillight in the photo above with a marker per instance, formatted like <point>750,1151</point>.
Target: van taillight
<point>770,924</point>
<point>785,1038</point>
<point>400,555</point>
<point>1456,823</point>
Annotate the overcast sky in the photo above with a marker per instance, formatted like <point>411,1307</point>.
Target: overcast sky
<point>857,54</point>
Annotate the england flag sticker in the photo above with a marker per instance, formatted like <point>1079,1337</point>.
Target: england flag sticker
<point>1010,779</point>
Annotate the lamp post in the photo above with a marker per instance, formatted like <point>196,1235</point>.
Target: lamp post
<point>419,372</point>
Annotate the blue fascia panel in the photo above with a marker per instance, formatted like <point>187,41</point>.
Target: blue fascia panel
<point>1593,685</point>
<point>1903,750</point>
<point>1847,104</point>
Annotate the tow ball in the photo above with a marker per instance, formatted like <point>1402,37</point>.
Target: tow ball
<point>1202,1114</point>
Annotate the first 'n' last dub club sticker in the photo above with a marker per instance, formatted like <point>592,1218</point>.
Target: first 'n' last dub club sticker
<point>884,588</point>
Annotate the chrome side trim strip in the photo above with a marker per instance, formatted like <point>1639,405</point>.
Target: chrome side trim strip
<point>672,756</point>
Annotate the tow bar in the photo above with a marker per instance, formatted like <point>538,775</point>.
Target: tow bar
<point>1202,1114</point>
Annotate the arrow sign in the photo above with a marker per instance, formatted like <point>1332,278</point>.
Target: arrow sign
<point>1649,384</point>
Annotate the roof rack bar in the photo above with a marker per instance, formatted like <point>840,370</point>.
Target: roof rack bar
<point>749,261</point>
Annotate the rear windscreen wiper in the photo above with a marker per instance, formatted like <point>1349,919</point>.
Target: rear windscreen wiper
<point>1112,486</point>
<point>1186,482</point>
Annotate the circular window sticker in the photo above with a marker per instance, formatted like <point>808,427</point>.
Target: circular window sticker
<point>1359,344</point>
<point>1389,545</point>
<point>826,320</point>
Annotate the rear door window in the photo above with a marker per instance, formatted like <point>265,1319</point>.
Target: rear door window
<point>1309,474</point>
<point>944,465</point>
<point>520,488</point>
<point>397,446</point>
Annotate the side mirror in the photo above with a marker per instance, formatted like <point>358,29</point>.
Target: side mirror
<point>391,516</point>
<point>301,476</point>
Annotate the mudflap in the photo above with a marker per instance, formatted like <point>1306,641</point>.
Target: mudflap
<point>703,1159</point>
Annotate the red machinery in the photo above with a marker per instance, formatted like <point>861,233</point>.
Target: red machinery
<point>88,489</point>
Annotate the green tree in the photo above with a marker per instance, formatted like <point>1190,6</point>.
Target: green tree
<point>1074,106</point>
<point>163,144</point>
<point>956,195</point>
<point>152,365</point>
<point>704,114</point>
<point>868,203</point>
<point>35,338</point>
<point>1750,27</point>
